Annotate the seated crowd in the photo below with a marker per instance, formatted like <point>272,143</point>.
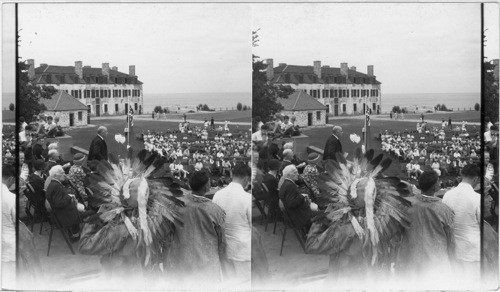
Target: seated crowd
<point>447,155</point>
<point>192,149</point>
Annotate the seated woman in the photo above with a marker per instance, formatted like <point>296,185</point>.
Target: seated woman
<point>298,206</point>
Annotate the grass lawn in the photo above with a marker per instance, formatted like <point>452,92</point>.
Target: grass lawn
<point>219,116</point>
<point>8,116</point>
<point>83,136</point>
<point>456,117</point>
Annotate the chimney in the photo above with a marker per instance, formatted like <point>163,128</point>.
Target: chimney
<point>131,70</point>
<point>105,69</point>
<point>317,68</point>
<point>370,70</point>
<point>269,69</point>
<point>353,68</point>
<point>344,70</point>
<point>31,69</point>
<point>282,64</point>
<point>79,69</point>
<point>114,68</point>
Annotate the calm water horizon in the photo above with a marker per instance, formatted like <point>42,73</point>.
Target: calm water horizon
<point>451,100</point>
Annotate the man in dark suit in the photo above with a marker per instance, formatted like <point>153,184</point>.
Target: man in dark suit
<point>333,144</point>
<point>270,180</point>
<point>98,148</point>
<point>37,181</point>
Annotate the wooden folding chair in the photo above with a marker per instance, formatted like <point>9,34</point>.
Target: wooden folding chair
<point>55,224</point>
<point>301,237</point>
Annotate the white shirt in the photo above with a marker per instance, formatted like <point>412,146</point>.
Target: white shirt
<point>257,136</point>
<point>466,204</point>
<point>238,207</point>
<point>8,225</point>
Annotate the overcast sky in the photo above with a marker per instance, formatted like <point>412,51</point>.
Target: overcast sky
<point>175,47</point>
<point>415,48</point>
<point>202,47</point>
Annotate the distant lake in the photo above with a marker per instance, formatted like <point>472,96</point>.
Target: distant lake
<point>451,100</point>
<point>215,100</point>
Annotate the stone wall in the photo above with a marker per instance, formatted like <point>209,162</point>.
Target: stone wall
<point>301,117</point>
<point>64,117</point>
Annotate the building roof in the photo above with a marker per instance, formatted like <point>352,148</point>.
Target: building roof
<point>301,101</point>
<point>51,74</point>
<point>62,101</point>
<point>294,74</point>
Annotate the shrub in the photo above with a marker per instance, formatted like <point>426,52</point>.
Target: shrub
<point>245,107</point>
<point>12,107</point>
<point>396,109</point>
<point>477,107</point>
<point>239,106</point>
<point>158,109</point>
<point>165,110</point>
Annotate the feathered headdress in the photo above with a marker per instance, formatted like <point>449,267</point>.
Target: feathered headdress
<point>356,193</point>
<point>144,198</point>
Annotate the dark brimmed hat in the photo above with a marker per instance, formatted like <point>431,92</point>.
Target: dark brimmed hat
<point>39,164</point>
<point>78,157</point>
<point>313,157</point>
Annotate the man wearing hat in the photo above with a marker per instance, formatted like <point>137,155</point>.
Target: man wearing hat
<point>270,179</point>
<point>77,175</point>
<point>333,144</point>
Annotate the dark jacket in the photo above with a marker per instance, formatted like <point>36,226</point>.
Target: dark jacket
<point>295,204</point>
<point>332,146</point>
<point>37,183</point>
<point>62,204</point>
<point>272,185</point>
<point>98,149</point>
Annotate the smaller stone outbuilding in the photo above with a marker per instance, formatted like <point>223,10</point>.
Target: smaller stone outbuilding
<point>307,110</point>
<point>71,111</point>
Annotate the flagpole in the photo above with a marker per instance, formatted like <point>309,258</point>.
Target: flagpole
<point>366,131</point>
<point>128,121</point>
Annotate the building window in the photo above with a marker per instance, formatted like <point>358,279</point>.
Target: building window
<point>318,115</point>
<point>105,108</point>
<point>347,92</point>
<point>80,116</point>
<point>355,107</point>
<point>116,108</point>
<point>344,108</point>
<point>90,108</point>
<point>135,106</point>
<point>93,93</point>
<point>101,93</point>
<point>97,80</point>
<point>97,93</point>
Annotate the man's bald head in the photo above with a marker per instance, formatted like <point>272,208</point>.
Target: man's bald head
<point>337,131</point>
<point>102,131</point>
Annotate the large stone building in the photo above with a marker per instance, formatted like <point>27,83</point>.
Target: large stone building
<point>70,111</point>
<point>344,90</point>
<point>105,91</point>
<point>307,110</point>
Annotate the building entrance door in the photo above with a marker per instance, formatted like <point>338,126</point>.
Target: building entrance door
<point>71,119</point>
<point>97,110</point>
<point>309,119</point>
<point>336,110</point>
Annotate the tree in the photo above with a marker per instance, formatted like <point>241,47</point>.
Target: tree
<point>205,108</point>
<point>490,92</point>
<point>396,109</point>
<point>158,109</point>
<point>239,106</point>
<point>477,107</point>
<point>437,107</point>
<point>265,94</point>
<point>30,94</point>
<point>245,107</point>
<point>165,110</point>
<point>12,107</point>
